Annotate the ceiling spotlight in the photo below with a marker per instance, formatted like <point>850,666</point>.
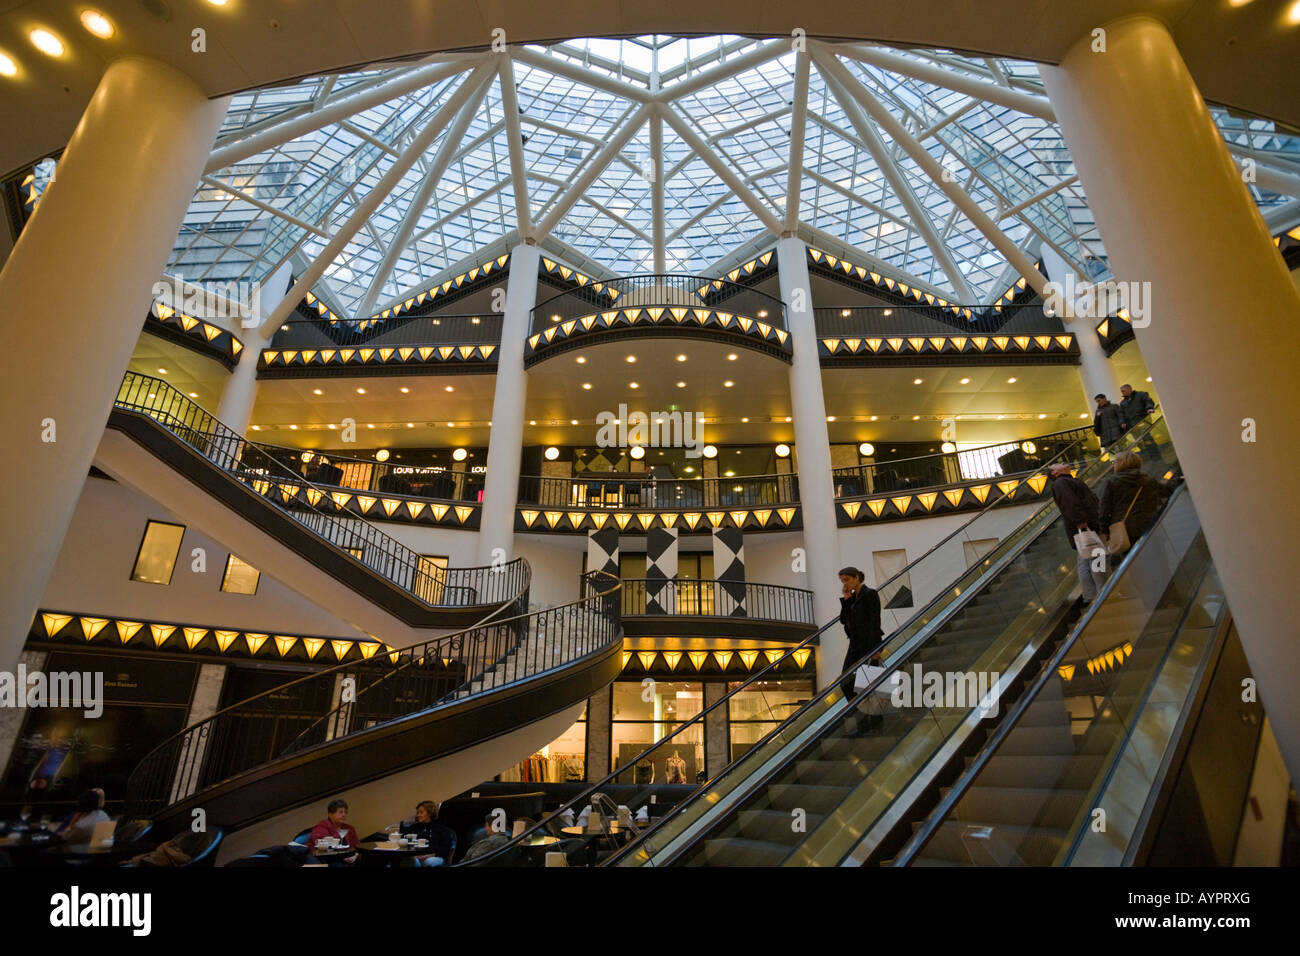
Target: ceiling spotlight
<point>46,42</point>
<point>729,474</point>
<point>381,455</point>
<point>448,388</point>
<point>633,385</point>
<point>947,448</point>
<point>1148,378</point>
<point>731,357</point>
<point>845,311</point>
<point>710,451</point>
<point>317,391</point>
<point>681,358</point>
<point>830,418</point>
<point>406,390</point>
<point>916,381</point>
<point>573,421</point>
<point>308,456</point>
<point>532,421</point>
<point>586,386</point>
<point>788,418</point>
<point>1011,380</point>
<point>451,424</point>
<point>460,454</point>
<point>866,449</point>
<point>637,452</point>
<point>689,469</point>
<point>552,453</point>
<point>194,394</point>
<point>97,23</point>
<point>965,381</point>
<point>728,384</point>
<point>555,318</point>
<point>162,371</point>
<point>762,313</point>
<point>889,312</point>
<point>743,420</point>
<point>631,358</point>
<point>1028,447</point>
<point>782,451</point>
<point>582,360</point>
<point>410,424</point>
<point>361,391</point>
<point>7,66</point>
<point>1044,415</point>
<point>681,384</point>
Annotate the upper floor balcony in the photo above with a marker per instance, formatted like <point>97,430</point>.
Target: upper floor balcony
<point>396,345</point>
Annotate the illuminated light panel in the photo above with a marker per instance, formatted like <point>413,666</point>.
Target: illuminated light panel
<point>127,629</point>
<point>698,658</point>
<point>255,642</point>
<point>54,623</point>
<point>285,644</point>
<point>161,632</point>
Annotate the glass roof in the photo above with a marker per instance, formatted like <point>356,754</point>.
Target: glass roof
<point>455,199</point>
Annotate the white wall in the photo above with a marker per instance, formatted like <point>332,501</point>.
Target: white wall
<point>93,574</point>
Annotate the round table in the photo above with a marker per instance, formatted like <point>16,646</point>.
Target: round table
<point>336,853</point>
<point>387,853</point>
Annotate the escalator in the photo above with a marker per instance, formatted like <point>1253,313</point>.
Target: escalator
<point>239,495</point>
<point>1075,775</point>
<point>843,781</point>
<point>998,595</point>
<point>432,719</point>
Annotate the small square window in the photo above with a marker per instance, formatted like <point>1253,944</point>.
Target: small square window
<point>240,577</point>
<point>158,549</point>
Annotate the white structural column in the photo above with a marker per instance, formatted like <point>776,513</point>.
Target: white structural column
<point>812,446</point>
<point>505,444</point>
<point>235,409</point>
<point>1222,337</point>
<point>1095,370</point>
<point>103,228</point>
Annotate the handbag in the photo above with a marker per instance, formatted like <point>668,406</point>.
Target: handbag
<point>865,675</point>
<point>1117,538</point>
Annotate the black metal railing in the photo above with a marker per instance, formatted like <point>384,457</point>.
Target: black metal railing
<point>400,331</point>
<point>659,291</point>
<point>947,468</point>
<point>893,320</point>
<point>711,598</point>
<point>328,468</point>
<point>630,490</point>
<point>313,508</point>
<point>508,646</point>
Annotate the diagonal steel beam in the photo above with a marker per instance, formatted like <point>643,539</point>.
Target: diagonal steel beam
<point>518,169</point>
<point>838,82</point>
<point>366,207</point>
<point>587,77</point>
<point>705,78</point>
<point>402,235</point>
<point>657,194</point>
<point>340,109</point>
<point>832,67</point>
<point>798,125</point>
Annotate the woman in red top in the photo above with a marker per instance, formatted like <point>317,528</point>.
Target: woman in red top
<point>335,825</point>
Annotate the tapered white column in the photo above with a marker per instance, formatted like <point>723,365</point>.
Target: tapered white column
<point>240,394</point>
<point>1095,370</point>
<point>73,296</point>
<point>813,450</point>
<point>1224,326</point>
<point>505,445</point>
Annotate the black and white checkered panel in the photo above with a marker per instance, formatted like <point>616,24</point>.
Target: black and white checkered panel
<point>602,550</point>
<point>660,570</point>
<point>729,567</point>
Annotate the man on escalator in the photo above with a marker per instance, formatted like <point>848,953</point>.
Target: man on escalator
<point>1081,514</point>
<point>860,616</point>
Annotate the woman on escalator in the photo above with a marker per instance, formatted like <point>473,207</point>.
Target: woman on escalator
<point>1132,496</point>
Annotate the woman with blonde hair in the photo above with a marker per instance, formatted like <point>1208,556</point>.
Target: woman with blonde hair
<point>1133,496</point>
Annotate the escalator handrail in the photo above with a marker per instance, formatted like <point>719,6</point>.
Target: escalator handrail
<point>898,656</point>
<point>959,787</point>
<point>410,653</point>
<point>400,552</point>
<point>812,639</point>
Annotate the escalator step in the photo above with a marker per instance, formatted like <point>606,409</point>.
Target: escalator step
<point>736,851</point>
<point>807,797</point>
<point>1060,770</point>
<point>991,844</point>
<point>1046,806</point>
<point>773,826</point>
<point>841,773</point>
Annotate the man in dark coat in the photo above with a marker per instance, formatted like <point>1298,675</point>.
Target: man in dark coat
<point>1080,511</point>
<point>1107,423</point>
<point>1134,406</point>
<point>860,615</point>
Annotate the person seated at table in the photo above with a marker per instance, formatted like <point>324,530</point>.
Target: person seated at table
<point>442,840</point>
<point>335,825</point>
<point>90,810</point>
<point>491,838</point>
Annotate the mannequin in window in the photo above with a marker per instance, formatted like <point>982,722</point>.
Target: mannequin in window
<point>644,772</point>
<point>676,768</point>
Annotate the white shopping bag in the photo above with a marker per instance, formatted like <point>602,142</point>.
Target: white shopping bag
<point>868,673</point>
<point>1089,543</point>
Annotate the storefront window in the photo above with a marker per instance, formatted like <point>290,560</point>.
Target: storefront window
<point>563,760</point>
<point>647,711</point>
<point>756,711</point>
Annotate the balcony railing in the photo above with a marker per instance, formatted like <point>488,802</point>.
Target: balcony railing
<point>895,320</point>
<point>614,490</point>
<point>406,330</point>
<point>653,291</point>
<point>329,469</point>
<point>648,597</point>
<point>947,468</point>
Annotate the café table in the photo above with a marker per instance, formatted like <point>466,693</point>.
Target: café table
<point>386,853</point>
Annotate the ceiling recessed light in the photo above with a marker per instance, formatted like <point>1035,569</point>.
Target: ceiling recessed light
<point>532,421</point>
<point>1148,378</point>
<point>681,384</point>
<point>361,391</point>
<point>681,358</point>
<point>728,384</point>
<point>1042,416</point>
<point>1011,380</point>
<point>573,421</point>
<point>552,453</point>
<point>631,358</point>
<point>555,318</point>
<point>257,428</point>
<point>889,312</point>
<point>743,420</point>
<point>162,371</point>
<point>633,385</point>
<point>844,311</point>
<point>581,360</point>
<point>98,24</point>
<point>451,424</point>
<point>448,388</point>
<point>762,313</point>
<point>293,428</point>
<point>783,451</point>
<point>948,448</point>
<point>916,381</point>
<point>866,449</point>
<point>405,390</point>
<point>317,391</point>
<point>710,451</point>
<point>1083,415</point>
<point>381,455</point>
<point>965,381</point>
<point>587,386</point>
<point>731,357</point>
<point>46,42</point>
<point>916,418</point>
<point>7,66</point>
<point>217,3</point>
<point>460,454</point>
<point>788,418</point>
<point>410,424</point>
<point>194,394</point>
<point>729,474</point>
<point>637,452</point>
<point>830,418</point>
